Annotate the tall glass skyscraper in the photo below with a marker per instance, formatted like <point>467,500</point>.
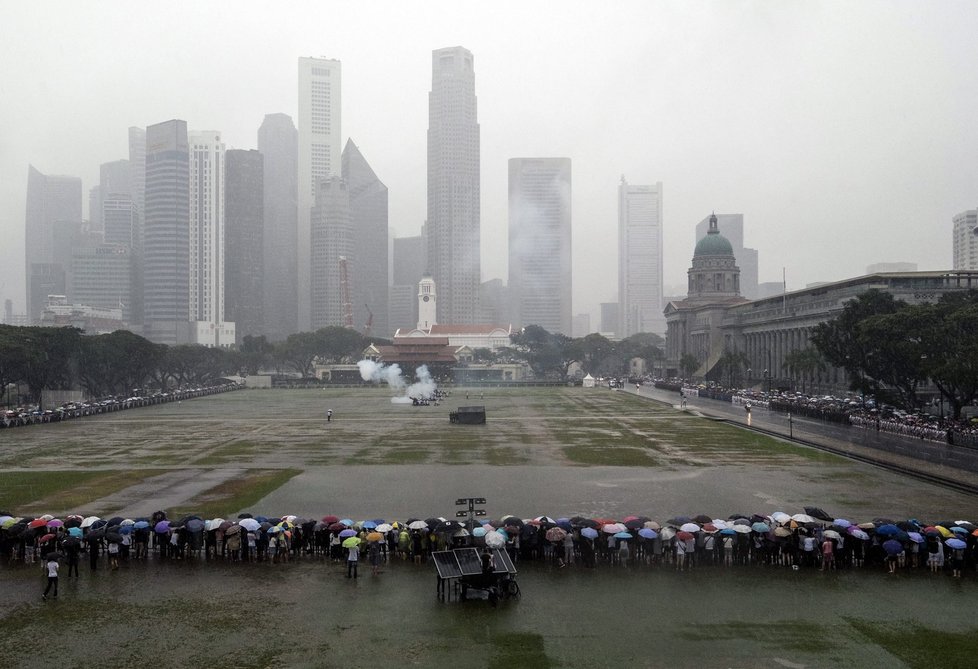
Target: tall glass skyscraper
<point>454,186</point>
<point>540,273</point>
<point>244,256</point>
<point>278,142</point>
<point>319,157</point>
<point>640,259</point>
<point>167,234</point>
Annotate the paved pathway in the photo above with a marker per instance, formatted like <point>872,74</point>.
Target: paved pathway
<point>857,441</point>
<point>163,491</point>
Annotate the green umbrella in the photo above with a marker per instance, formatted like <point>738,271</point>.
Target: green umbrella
<point>351,542</point>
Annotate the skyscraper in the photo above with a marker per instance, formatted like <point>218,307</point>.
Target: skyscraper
<point>332,254</point>
<point>207,240</point>
<point>540,273</point>
<point>137,192</point>
<point>243,267</point>
<point>278,142</point>
<point>101,276</point>
<point>731,226</point>
<point>453,185</point>
<point>167,234</point>
<point>54,215</point>
<point>640,259</point>
<point>368,216</point>
<point>965,240</point>
<point>319,157</point>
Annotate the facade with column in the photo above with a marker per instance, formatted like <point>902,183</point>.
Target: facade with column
<point>767,331</point>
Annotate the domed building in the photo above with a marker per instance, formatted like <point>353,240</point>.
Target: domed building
<point>692,325</point>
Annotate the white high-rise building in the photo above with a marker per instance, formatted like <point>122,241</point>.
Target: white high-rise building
<point>640,259</point>
<point>319,157</point>
<point>207,241</point>
<point>966,240</point>
<point>540,273</point>
<point>427,303</point>
<point>453,233</point>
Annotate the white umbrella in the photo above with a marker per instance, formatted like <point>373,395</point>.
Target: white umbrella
<point>495,540</point>
<point>250,524</point>
<point>802,518</point>
<point>418,525</point>
<point>89,521</point>
<point>690,527</point>
<point>384,528</point>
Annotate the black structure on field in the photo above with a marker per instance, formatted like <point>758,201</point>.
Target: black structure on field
<point>474,415</point>
<point>462,569</point>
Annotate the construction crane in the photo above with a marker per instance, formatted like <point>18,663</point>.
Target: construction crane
<point>370,321</point>
<point>345,294</point>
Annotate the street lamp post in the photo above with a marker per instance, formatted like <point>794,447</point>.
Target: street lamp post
<point>471,512</point>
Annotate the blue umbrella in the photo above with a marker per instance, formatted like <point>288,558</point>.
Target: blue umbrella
<point>347,521</point>
<point>565,524</point>
<point>369,525</point>
<point>892,547</point>
<point>888,530</point>
<point>646,533</point>
<point>957,529</point>
<point>140,525</point>
<point>728,531</point>
<point>623,535</point>
<point>75,531</point>
<point>348,533</point>
<point>760,528</point>
<point>589,533</point>
<point>955,543</point>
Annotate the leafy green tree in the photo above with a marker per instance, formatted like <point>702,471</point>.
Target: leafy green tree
<point>731,364</point>
<point>802,364</point>
<point>952,349</point>
<point>13,353</point>
<point>255,353</point>
<point>839,341</point>
<point>49,359</point>
<point>299,351</point>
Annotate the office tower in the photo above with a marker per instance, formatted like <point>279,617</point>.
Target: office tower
<point>640,259</point>
<point>494,303</point>
<point>581,325</point>
<point>278,142</point>
<point>166,232</point>
<point>207,241</point>
<point>368,216</point>
<point>540,274</point>
<point>319,157</point>
<point>609,319</point>
<point>965,240</point>
<point>118,220</point>
<point>244,254</point>
<point>137,192</point>
<point>407,268</point>
<point>95,207</point>
<point>453,185</point>
<point>731,226</point>
<point>53,219</point>
<point>332,255</point>
<point>101,276</point>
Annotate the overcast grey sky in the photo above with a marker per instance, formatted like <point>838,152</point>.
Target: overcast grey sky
<point>845,132</point>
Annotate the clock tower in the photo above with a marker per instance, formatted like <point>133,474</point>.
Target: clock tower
<point>426,303</point>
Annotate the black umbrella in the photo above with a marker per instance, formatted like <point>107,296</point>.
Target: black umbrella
<point>701,519</point>
<point>117,520</point>
<point>433,522</point>
<point>113,537</point>
<point>636,524</point>
<point>817,512</point>
<point>244,515</point>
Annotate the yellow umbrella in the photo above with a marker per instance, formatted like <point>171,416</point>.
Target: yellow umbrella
<point>946,533</point>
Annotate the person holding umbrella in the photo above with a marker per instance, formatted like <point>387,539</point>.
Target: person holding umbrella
<point>51,569</point>
<point>352,558</point>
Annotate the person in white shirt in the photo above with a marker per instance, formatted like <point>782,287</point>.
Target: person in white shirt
<point>51,568</point>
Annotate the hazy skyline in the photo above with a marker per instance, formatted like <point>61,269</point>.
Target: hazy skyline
<point>844,132</point>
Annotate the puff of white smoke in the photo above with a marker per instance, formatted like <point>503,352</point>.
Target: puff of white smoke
<point>377,372</point>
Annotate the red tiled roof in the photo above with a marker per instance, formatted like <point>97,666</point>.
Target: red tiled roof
<point>466,329</point>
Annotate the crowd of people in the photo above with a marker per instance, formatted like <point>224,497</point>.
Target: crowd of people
<point>34,415</point>
<point>810,540</point>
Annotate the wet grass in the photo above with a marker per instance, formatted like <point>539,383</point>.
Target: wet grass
<point>921,647</point>
<point>57,491</point>
<point>620,456</point>
<point>519,650</point>
<point>234,494</point>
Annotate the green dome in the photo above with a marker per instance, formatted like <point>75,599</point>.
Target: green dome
<point>713,244</point>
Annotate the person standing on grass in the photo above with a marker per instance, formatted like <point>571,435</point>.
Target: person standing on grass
<point>329,415</point>
<point>352,558</point>
<point>51,569</point>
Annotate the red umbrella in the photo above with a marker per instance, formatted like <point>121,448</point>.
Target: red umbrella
<point>329,520</point>
<point>47,537</point>
<point>337,527</point>
<point>684,536</point>
<point>36,523</point>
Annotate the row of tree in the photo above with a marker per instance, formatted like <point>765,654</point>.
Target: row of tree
<point>886,345</point>
<point>62,358</point>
